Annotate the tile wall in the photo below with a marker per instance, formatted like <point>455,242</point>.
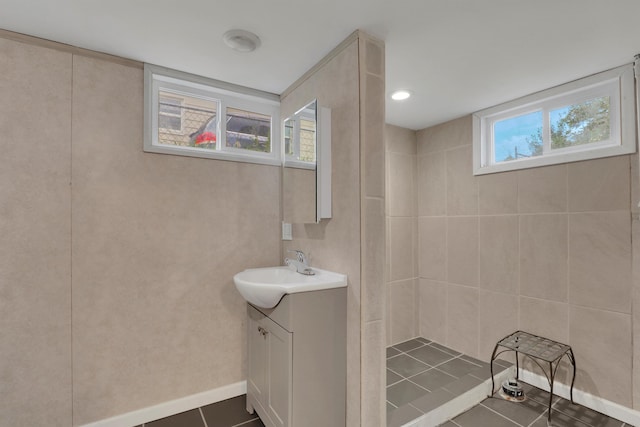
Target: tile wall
<point>350,81</point>
<point>546,250</point>
<point>402,235</point>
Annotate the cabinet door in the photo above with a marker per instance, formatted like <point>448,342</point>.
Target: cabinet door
<point>279,373</point>
<point>257,354</point>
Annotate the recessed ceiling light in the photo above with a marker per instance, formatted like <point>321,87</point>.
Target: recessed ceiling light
<point>241,40</point>
<point>400,95</point>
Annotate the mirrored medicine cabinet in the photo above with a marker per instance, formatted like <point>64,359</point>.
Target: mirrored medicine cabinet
<point>306,172</point>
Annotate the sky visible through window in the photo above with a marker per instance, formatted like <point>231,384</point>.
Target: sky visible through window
<point>512,136</point>
<point>581,123</point>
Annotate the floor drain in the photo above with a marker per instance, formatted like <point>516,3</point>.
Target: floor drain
<point>512,390</point>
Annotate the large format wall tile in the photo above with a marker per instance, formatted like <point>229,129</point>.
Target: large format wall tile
<point>403,310</point>
<point>462,186</point>
<point>372,126</point>
<point>433,310</point>
<point>432,190</point>
<point>548,319</point>
<point>402,234</point>
<point>453,134</point>
<point>542,190</point>
<point>545,318</point>
<point>600,260</point>
<point>499,253</point>
<point>498,193</point>
<point>462,250</point>
<point>400,140</point>
<point>401,249</point>
<point>402,193</point>
<point>154,252</point>
<point>462,319</point>
<point>373,265</point>
<point>433,248</point>
<point>35,225</point>
<point>543,256</point>
<point>600,185</point>
<point>601,341</point>
<point>497,318</point>
<point>372,187</point>
<point>373,374</point>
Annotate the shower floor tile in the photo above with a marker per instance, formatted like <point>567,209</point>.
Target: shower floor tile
<point>446,374</point>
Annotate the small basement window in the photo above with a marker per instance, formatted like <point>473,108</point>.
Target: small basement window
<point>585,119</point>
<point>194,116</point>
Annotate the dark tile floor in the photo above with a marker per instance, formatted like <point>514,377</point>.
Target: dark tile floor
<point>497,412</point>
<point>228,413</point>
<point>422,375</point>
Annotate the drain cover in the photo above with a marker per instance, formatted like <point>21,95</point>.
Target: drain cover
<point>512,390</point>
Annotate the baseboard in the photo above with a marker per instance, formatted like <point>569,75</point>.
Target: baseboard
<point>612,409</point>
<point>172,407</point>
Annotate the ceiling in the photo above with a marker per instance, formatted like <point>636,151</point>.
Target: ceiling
<point>455,56</point>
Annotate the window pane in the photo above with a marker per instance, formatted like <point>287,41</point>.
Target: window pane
<point>579,124</point>
<point>517,137</point>
<point>288,137</point>
<point>187,121</point>
<point>169,122</point>
<point>307,140</point>
<point>249,131</point>
<point>169,105</point>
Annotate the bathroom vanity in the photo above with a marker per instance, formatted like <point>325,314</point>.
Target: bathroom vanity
<point>296,356</point>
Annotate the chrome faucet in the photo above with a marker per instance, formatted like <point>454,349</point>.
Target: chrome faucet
<point>300,263</point>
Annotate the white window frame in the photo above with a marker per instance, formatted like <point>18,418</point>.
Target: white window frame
<point>618,84</point>
<point>225,95</point>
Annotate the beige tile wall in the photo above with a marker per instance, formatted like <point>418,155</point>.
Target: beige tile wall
<point>350,81</point>
<point>373,238</point>
<point>547,250</point>
<point>152,241</point>
<point>402,171</point>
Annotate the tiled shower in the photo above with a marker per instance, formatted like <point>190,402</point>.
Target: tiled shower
<point>548,250</point>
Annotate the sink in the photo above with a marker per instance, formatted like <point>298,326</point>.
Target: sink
<point>265,287</point>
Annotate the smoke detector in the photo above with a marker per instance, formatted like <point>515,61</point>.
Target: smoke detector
<point>241,40</point>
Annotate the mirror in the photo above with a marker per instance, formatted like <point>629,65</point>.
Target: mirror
<point>306,144</point>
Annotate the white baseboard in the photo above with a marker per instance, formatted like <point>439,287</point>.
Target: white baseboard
<point>172,407</point>
<point>612,409</point>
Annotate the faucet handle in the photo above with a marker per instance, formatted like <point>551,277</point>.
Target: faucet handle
<point>299,255</point>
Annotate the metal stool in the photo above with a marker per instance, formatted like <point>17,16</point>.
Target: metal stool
<point>536,348</point>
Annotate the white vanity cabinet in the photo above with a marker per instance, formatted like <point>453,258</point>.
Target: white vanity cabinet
<point>296,373</point>
<point>270,365</point>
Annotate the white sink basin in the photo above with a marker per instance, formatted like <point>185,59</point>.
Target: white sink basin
<point>265,287</point>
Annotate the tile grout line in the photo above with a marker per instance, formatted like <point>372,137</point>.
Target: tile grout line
<point>203,418</point>
<point>539,417</point>
<point>245,423</point>
<point>502,415</point>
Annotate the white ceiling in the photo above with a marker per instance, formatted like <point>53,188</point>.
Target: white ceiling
<point>456,56</point>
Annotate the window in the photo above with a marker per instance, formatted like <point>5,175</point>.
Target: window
<point>193,116</point>
<point>585,119</point>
